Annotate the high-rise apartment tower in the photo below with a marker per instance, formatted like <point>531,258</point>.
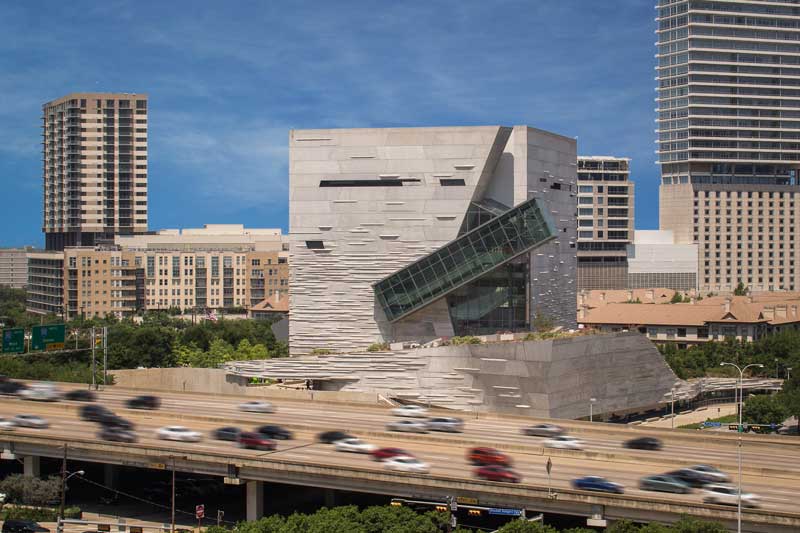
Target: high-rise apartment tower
<point>94,168</point>
<point>729,137</point>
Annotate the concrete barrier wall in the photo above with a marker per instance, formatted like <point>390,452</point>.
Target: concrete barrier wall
<point>216,381</point>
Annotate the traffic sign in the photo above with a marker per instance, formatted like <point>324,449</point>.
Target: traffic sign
<point>464,500</point>
<point>505,512</point>
<point>46,338</point>
<point>200,511</point>
<point>14,340</point>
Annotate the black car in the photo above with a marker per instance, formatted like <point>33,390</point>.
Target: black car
<point>329,437</point>
<point>144,402</point>
<point>644,443</point>
<point>227,433</point>
<point>80,395</point>
<point>23,526</point>
<point>94,413</point>
<point>11,387</point>
<point>117,434</point>
<point>690,477</point>
<point>115,421</point>
<point>275,432</point>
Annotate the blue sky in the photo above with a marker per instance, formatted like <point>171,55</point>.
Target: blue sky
<point>227,80</point>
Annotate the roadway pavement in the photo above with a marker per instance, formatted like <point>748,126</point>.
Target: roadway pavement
<point>772,463</point>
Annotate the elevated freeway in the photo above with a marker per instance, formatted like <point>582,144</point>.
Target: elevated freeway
<point>772,465</point>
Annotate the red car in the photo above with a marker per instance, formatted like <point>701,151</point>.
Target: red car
<point>382,454</point>
<point>255,441</point>
<point>498,473</point>
<point>488,456</point>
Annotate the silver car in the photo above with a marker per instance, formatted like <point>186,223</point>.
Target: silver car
<point>410,426</point>
<point>30,421</point>
<point>445,423</point>
<point>543,430</point>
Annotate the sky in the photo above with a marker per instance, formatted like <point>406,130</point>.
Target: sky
<point>228,80</point>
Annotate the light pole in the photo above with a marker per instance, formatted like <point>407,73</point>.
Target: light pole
<point>672,407</point>
<point>788,373</point>
<point>741,408</point>
<point>591,409</point>
<point>65,476</point>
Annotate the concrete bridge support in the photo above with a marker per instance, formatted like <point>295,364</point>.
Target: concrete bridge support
<point>255,500</point>
<point>32,465</point>
<point>110,475</point>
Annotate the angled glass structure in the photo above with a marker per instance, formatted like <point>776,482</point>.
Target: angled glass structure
<point>464,260</point>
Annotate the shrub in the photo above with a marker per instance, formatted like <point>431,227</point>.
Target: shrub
<point>30,490</point>
<point>467,339</point>
<point>378,347</point>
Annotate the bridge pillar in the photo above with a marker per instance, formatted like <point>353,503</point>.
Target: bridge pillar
<point>32,465</point>
<point>110,476</point>
<point>330,498</point>
<point>255,500</point>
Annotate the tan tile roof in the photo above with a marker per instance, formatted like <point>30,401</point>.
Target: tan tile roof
<point>273,303</point>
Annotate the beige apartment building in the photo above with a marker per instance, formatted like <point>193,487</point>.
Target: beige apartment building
<point>14,267</point>
<point>94,168</point>
<point>729,138</point>
<point>605,221</point>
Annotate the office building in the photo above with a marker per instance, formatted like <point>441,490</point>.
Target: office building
<point>222,267</point>
<point>655,260</point>
<point>418,233</point>
<point>94,168</point>
<point>605,221</point>
<point>14,267</point>
<point>729,137</point>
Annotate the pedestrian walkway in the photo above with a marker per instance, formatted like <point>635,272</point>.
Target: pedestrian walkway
<point>694,417</point>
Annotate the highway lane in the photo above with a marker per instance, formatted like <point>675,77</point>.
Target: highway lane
<point>446,458</point>
<point>503,432</point>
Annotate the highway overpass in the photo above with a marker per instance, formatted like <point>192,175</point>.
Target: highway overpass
<point>772,468</point>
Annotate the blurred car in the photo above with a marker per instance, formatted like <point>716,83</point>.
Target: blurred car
<point>643,443</point>
<point>229,433</point>
<point>664,483</point>
<point>178,433</point>
<point>256,406</point>
<point>93,413</point>
<point>728,495</point>
<point>30,421</point>
<point>710,474</point>
<point>598,484</point>
<point>403,463</point>
<point>354,445</point>
<point>382,454</point>
<point>564,442</point>
<point>11,387</point>
<point>80,395</point>
<point>255,441</point>
<point>330,437</point>
<point>445,423</point>
<point>410,426</point>
<point>23,526</point>
<point>117,434</point>
<point>414,411</point>
<point>40,392</point>
<point>6,423</point>
<point>114,420</point>
<point>144,402</point>
<point>543,430</point>
<point>275,432</point>
<point>497,473</point>
<point>690,477</point>
<point>488,456</point>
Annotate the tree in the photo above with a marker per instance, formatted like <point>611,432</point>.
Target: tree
<point>676,298</point>
<point>543,322</point>
<point>740,290</point>
<point>524,526</point>
<point>764,409</point>
<point>622,526</point>
<point>689,524</point>
<point>31,490</point>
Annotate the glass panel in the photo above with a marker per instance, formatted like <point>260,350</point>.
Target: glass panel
<point>464,260</point>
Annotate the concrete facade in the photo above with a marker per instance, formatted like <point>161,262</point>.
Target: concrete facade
<point>654,260</point>
<point>365,203</point>
<point>14,267</point>
<point>550,378</point>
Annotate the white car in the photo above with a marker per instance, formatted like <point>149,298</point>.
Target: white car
<point>257,406</point>
<point>727,495</point>
<point>30,421</point>
<point>563,442</point>
<point>6,424</point>
<point>354,446</point>
<point>178,433</point>
<point>410,426</point>
<point>403,463</point>
<point>710,474</point>
<point>414,411</point>
<point>40,392</point>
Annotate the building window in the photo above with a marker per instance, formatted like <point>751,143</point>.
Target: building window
<point>681,332</point>
<point>315,245</point>
<point>452,182</point>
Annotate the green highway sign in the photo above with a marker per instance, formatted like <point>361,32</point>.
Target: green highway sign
<point>14,340</point>
<point>46,338</point>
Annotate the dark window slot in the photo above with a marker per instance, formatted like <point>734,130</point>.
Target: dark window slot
<point>452,182</point>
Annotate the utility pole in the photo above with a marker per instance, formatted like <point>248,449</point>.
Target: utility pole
<point>63,486</point>
<point>105,356</point>
<point>173,495</point>
<point>94,361</point>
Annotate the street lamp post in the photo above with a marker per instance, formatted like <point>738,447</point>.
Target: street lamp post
<point>591,409</point>
<point>741,408</point>
<point>672,407</point>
